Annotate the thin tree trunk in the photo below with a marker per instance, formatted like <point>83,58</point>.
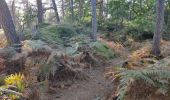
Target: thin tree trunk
<point>13,12</point>
<point>94,20</point>
<point>130,10</point>
<point>28,23</point>
<point>72,10</point>
<point>40,12</point>
<point>56,11</point>
<point>159,27</point>
<point>62,8</point>
<point>168,15</point>
<point>8,25</point>
<point>106,9</point>
<point>81,8</point>
<point>101,10</point>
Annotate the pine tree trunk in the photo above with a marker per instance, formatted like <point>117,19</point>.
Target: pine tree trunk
<point>94,20</point>
<point>13,12</point>
<point>81,8</point>
<point>8,25</point>
<point>62,8</point>
<point>40,12</point>
<point>101,10</point>
<point>72,10</point>
<point>56,11</point>
<point>159,27</point>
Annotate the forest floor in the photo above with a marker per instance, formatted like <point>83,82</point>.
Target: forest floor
<point>98,82</point>
<point>96,87</point>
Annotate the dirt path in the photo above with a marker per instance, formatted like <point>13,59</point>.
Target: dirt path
<point>97,87</point>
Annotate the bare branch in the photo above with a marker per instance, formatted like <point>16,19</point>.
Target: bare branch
<point>11,91</point>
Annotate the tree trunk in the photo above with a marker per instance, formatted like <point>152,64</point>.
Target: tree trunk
<point>94,20</point>
<point>159,27</point>
<point>8,25</point>
<point>101,8</point>
<point>130,10</point>
<point>27,10</point>
<point>72,10</point>
<point>81,8</point>
<point>40,12</point>
<point>56,11</point>
<point>168,15</point>
<point>13,12</point>
<point>62,8</point>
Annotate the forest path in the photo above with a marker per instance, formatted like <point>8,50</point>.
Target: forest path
<point>96,87</point>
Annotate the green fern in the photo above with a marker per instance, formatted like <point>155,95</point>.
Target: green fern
<point>156,77</point>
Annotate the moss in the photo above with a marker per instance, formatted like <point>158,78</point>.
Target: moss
<point>103,50</point>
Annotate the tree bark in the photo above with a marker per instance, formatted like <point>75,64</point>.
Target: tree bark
<point>40,12</point>
<point>159,28</point>
<point>101,8</point>
<point>56,11</point>
<point>94,20</point>
<point>13,12</point>
<point>72,10</point>
<point>81,8</point>
<point>8,25</point>
<point>62,8</point>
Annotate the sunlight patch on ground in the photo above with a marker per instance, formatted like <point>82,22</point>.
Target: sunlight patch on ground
<point>3,40</point>
<point>1,31</point>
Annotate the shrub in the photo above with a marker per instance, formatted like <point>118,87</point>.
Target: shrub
<point>136,28</point>
<point>103,49</point>
<point>56,34</point>
<point>155,77</point>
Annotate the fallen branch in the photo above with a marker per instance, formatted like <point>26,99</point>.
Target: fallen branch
<point>11,91</point>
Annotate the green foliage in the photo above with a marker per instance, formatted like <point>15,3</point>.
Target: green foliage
<point>16,80</point>
<point>56,34</point>
<point>49,34</point>
<point>36,46</point>
<point>138,26</point>
<point>156,77</point>
<point>82,29</point>
<point>103,49</point>
<point>137,16</point>
<point>29,16</point>
<point>118,9</point>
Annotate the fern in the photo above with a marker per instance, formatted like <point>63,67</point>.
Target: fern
<point>156,77</point>
<point>13,87</point>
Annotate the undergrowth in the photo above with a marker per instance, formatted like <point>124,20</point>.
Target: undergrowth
<point>13,86</point>
<point>103,49</point>
<point>155,77</point>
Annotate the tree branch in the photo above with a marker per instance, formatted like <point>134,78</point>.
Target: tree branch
<point>11,91</point>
